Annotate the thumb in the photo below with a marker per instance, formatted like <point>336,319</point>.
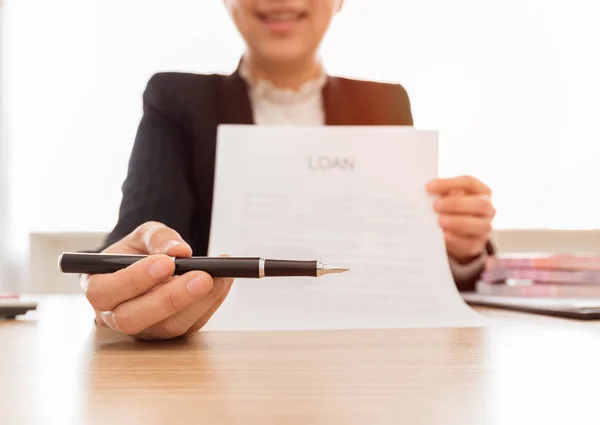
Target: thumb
<point>156,238</point>
<point>178,248</point>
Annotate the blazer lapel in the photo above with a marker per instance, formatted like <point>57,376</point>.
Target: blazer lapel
<point>234,102</point>
<point>337,104</point>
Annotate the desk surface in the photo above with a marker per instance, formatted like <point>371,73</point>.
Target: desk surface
<point>56,367</point>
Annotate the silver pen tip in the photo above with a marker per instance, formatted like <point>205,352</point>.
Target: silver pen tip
<point>327,269</point>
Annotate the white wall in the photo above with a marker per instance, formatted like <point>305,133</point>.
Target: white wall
<point>513,86</point>
<point>3,171</point>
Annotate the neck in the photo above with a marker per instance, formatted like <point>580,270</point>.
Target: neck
<point>290,75</point>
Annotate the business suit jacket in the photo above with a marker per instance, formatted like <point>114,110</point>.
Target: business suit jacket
<point>171,170</point>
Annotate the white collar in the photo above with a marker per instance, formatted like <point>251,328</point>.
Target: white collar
<point>266,90</point>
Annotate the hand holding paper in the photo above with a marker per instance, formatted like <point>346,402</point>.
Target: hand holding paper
<point>466,215</point>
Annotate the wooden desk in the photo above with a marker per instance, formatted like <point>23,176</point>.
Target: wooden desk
<point>56,368</point>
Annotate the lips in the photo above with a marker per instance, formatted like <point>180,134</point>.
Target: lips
<point>282,22</point>
<point>281,16</point>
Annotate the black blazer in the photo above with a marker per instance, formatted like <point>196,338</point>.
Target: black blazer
<point>171,169</point>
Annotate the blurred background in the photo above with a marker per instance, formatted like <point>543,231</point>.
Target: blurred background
<point>512,86</point>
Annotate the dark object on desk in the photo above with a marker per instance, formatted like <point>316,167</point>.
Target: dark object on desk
<point>573,308</point>
<point>10,308</point>
<point>86,263</point>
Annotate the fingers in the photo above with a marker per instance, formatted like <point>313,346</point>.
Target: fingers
<point>192,318</point>
<point>467,183</point>
<point>206,317</point>
<point>466,225</point>
<point>465,205</point>
<point>107,291</point>
<point>465,215</point>
<point>153,238</point>
<point>211,311</point>
<point>139,314</point>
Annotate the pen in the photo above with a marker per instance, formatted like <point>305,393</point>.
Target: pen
<point>236,267</point>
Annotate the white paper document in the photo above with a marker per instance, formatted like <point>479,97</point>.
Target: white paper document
<point>348,196</point>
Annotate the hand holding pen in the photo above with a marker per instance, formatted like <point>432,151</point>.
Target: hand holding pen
<point>145,300</point>
<point>147,285</point>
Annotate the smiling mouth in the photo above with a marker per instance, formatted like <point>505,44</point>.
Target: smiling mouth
<point>277,17</point>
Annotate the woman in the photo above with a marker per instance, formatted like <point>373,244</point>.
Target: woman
<point>167,195</point>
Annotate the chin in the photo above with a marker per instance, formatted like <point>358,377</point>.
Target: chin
<point>284,53</point>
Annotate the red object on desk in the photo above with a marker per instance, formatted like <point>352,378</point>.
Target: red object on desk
<point>7,295</point>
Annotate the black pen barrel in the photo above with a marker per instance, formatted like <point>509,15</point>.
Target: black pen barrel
<point>220,266</point>
<point>92,263</point>
<point>290,268</point>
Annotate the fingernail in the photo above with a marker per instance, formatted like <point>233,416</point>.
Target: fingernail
<point>169,245</point>
<point>109,319</point>
<point>161,269</point>
<point>84,282</point>
<point>444,220</point>
<point>198,285</point>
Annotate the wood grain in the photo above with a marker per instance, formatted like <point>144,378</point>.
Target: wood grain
<point>56,367</point>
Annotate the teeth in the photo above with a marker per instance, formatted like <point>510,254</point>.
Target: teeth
<point>282,16</point>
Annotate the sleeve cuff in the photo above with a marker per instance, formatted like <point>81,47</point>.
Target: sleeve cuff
<point>469,272</point>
